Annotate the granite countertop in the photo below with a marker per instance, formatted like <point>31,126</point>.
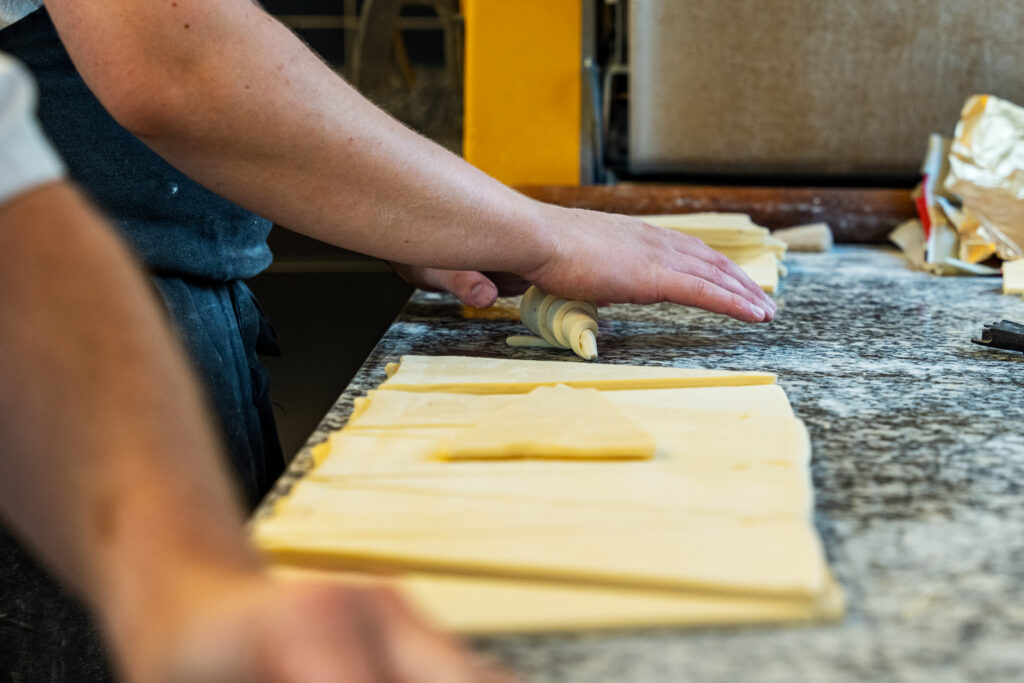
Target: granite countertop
<point>918,441</point>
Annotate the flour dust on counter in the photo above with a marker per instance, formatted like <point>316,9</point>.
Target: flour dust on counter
<point>917,463</point>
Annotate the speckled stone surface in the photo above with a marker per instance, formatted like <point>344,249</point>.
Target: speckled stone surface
<point>918,439</point>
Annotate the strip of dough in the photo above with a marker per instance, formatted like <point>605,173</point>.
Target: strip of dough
<point>413,409</point>
<point>470,375</point>
<point>320,526</point>
<point>707,487</point>
<point>467,605</point>
<point>713,436</point>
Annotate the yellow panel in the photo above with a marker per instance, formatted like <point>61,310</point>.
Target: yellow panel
<point>522,90</point>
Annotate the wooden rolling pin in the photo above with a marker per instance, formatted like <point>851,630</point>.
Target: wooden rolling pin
<point>559,323</point>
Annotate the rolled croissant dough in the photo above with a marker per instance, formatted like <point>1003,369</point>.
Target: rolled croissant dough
<point>563,323</point>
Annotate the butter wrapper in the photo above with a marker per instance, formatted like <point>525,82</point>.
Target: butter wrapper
<point>986,170</point>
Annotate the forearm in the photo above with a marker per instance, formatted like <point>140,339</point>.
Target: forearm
<point>232,98</point>
<point>110,467</point>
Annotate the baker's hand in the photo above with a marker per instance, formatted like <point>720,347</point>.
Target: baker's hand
<point>619,259</point>
<point>264,630</point>
<point>468,286</point>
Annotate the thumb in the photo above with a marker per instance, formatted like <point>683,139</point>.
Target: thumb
<point>470,287</point>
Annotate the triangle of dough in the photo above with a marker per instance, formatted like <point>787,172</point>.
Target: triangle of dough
<point>552,422</point>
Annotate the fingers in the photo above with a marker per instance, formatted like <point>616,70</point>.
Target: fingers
<point>736,275</point>
<point>508,284</point>
<point>322,637</point>
<point>468,286</point>
<point>691,290</point>
<point>365,635</point>
<point>726,281</point>
<point>419,654</point>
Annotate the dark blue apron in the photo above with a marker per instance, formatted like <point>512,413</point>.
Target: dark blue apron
<point>197,245</point>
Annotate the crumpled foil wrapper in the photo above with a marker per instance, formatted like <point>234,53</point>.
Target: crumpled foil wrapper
<point>946,247</point>
<point>986,170</point>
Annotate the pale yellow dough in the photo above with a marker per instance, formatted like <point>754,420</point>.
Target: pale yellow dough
<point>563,323</point>
<point>717,230</point>
<point>552,422</point>
<point>405,410</point>
<point>1013,277</point>
<point>714,528</point>
<point>468,605</point>
<point>764,271</point>
<point>740,441</point>
<point>751,246</point>
<point>704,487</point>
<point>470,375</point>
<point>329,526</point>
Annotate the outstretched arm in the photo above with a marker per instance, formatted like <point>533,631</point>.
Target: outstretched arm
<point>113,475</point>
<point>235,100</point>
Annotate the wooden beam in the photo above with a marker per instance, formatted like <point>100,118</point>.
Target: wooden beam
<point>863,215</point>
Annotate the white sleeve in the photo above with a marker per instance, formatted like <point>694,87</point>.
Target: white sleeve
<point>27,159</point>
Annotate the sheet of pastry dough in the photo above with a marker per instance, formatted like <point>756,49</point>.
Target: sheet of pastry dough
<point>766,399</point>
<point>464,374</point>
<point>714,529</point>
<point>319,525</point>
<point>474,606</point>
<point>763,270</point>
<point>552,422</point>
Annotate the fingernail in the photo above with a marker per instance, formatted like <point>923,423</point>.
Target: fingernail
<point>757,311</point>
<point>481,295</point>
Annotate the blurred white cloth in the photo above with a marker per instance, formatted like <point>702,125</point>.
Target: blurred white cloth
<point>26,158</point>
<point>12,10</point>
